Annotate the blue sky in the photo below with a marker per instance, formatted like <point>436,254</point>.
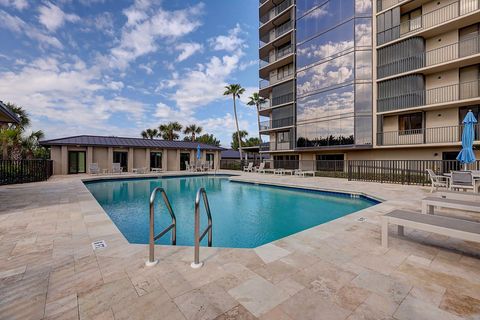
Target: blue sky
<point>116,67</point>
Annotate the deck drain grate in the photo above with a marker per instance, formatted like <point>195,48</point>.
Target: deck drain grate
<point>100,244</point>
<point>362,219</point>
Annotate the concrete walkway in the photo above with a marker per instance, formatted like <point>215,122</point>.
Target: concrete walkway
<point>338,270</point>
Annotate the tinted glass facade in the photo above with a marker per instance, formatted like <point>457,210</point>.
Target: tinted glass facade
<point>334,73</point>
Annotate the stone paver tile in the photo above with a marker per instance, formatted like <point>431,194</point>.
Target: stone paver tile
<point>270,252</point>
<point>12,272</point>
<point>62,305</point>
<point>276,271</point>
<point>428,292</point>
<point>461,305</point>
<point>412,308</point>
<point>208,302</point>
<point>173,282</point>
<point>275,314</point>
<point>366,312</point>
<point>237,313</point>
<point>350,297</point>
<point>258,295</point>
<point>384,285</point>
<point>307,305</point>
<point>100,299</point>
<point>151,306</point>
<point>290,286</point>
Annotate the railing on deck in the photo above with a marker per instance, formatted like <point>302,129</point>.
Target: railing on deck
<point>383,171</point>
<point>23,171</point>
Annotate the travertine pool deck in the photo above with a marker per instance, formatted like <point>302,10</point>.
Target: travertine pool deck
<point>338,270</point>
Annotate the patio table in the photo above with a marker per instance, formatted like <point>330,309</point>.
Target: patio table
<point>476,180</point>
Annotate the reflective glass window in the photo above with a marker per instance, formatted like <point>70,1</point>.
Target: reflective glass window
<point>363,65</point>
<point>333,42</point>
<point>327,74</point>
<point>326,104</point>
<point>363,32</point>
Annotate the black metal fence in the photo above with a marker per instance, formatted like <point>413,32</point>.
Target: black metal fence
<point>383,171</point>
<point>23,171</point>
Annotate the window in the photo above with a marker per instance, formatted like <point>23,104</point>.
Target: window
<point>285,71</point>
<point>411,21</point>
<point>283,136</point>
<point>155,159</point>
<point>76,162</point>
<point>410,123</point>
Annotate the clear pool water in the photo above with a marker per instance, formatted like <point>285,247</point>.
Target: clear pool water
<point>244,215</point>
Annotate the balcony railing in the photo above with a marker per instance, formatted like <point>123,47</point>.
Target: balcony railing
<point>263,84</point>
<point>276,123</point>
<point>457,50</point>
<point>445,94</point>
<point>276,101</point>
<point>439,16</point>
<point>277,56</point>
<point>385,4</point>
<point>277,11</point>
<point>279,31</point>
<point>448,134</point>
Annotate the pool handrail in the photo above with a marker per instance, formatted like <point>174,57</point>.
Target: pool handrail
<point>197,237</point>
<point>173,226</point>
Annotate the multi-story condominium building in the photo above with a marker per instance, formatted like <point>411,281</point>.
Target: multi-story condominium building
<point>356,79</point>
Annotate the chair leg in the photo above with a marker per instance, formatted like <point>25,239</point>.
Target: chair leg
<point>401,231</point>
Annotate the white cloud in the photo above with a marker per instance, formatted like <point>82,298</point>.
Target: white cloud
<point>231,42</point>
<point>187,49</point>
<point>17,25</point>
<point>52,17</point>
<point>140,34</point>
<point>17,4</point>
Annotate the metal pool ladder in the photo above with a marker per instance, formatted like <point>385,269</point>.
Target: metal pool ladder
<point>201,193</point>
<point>151,259</point>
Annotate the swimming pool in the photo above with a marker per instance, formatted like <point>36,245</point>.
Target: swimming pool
<point>244,215</point>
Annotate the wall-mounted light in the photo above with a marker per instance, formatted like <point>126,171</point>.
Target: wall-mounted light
<point>435,154</point>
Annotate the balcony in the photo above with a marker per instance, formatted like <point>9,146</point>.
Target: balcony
<point>272,14</point>
<point>281,57</point>
<point>386,4</point>
<point>441,95</point>
<point>450,134</point>
<point>439,16</point>
<point>279,146</point>
<point>276,123</point>
<point>267,84</point>
<point>446,54</point>
<point>278,32</point>
<point>279,54</point>
<point>274,102</point>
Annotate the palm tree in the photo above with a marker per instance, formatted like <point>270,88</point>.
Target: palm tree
<point>235,90</point>
<point>256,100</point>
<point>234,143</point>
<point>193,130</point>
<point>21,114</point>
<point>169,130</point>
<point>11,135</point>
<point>30,144</point>
<point>149,133</point>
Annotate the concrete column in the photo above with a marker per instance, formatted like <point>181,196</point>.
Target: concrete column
<point>193,157</point>
<point>147,158</point>
<point>64,160</point>
<point>109,159</point>
<point>130,160</point>
<point>217,160</point>
<point>165,160</point>
<point>89,158</point>
<point>177,165</point>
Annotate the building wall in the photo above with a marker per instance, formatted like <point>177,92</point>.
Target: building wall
<point>100,156</point>
<point>139,157</point>
<point>173,160</point>
<point>56,157</point>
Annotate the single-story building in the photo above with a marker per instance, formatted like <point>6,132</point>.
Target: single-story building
<point>75,154</point>
<point>6,115</point>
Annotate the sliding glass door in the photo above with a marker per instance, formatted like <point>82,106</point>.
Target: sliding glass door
<point>76,162</point>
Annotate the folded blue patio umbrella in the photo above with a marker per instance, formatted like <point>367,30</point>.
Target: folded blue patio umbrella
<point>199,156</point>
<point>467,155</point>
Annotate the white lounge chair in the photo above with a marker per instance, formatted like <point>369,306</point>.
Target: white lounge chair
<point>459,195</point>
<point>93,168</point>
<point>429,204</point>
<point>156,170</point>
<point>139,170</point>
<point>260,167</point>
<point>279,171</point>
<point>437,180</point>
<point>248,168</point>
<point>451,227</point>
<point>462,180</point>
<point>116,168</point>
<point>302,173</point>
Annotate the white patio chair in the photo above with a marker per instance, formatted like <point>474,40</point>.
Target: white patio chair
<point>462,180</point>
<point>248,168</point>
<point>260,168</point>
<point>93,168</point>
<point>116,168</point>
<point>437,180</point>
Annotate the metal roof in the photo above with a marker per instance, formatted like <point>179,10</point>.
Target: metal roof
<point>8,113</point>
<point>105,141</point>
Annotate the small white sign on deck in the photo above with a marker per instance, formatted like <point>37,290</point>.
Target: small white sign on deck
<point>100,244</point>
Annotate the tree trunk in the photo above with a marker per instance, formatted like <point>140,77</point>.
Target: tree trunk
<point>238,131</point>
<point>259,135</point>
